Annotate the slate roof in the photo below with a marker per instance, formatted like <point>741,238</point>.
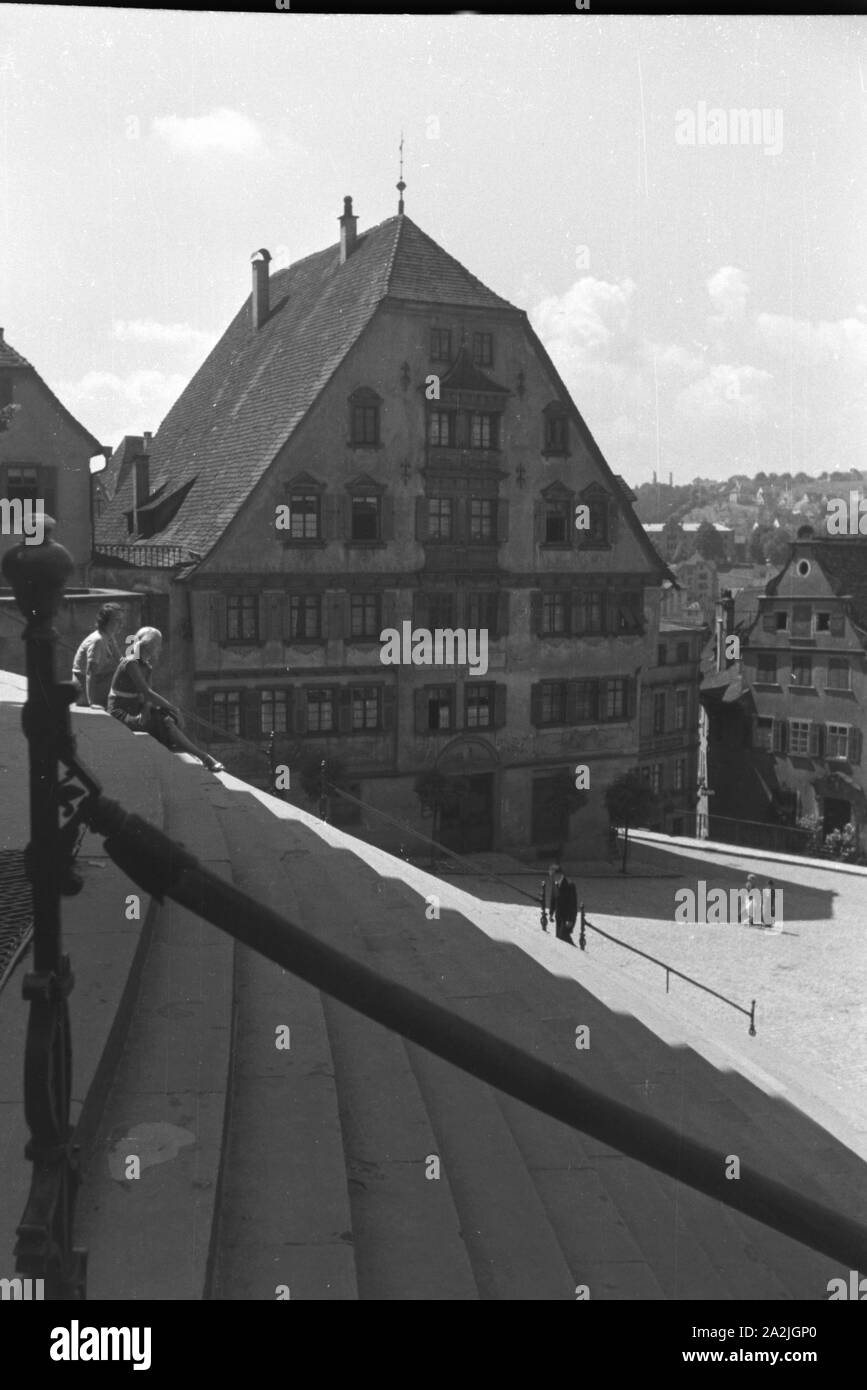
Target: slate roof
<point>255,387</point>
<point>9,357</point>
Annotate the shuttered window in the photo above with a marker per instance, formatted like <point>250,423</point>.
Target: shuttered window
<point>273,711</point>
<point>242,617</point>
<point>305,617</point>
<point>226,710</point>
<point>364,615</point>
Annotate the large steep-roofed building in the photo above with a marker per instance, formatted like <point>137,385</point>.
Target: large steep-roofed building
<point>379,439</point>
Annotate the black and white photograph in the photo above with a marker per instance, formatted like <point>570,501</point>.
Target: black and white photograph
<point>433,671</point>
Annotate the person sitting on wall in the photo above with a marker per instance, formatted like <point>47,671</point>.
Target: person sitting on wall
<point>96,660</point>
<point>136,704</point>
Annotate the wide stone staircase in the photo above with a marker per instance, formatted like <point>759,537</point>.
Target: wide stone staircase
<point>289,1147</point>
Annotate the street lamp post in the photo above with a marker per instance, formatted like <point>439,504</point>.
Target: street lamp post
<point>37,574</point>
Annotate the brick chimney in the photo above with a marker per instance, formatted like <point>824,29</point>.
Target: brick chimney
<point>348,225</point>
<point>140,483</point>
<point>261,309</point>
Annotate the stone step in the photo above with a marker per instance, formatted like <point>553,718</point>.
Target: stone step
<point>623,1056</point>
<point>285,1225</point>
<point>770,1132</point>
<point>406,1237</point>
<point>512,1251</point>
<point>150,1237</point>
<point>729,1240</point>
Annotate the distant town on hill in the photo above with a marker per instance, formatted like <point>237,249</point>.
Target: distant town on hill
<point>762,514</point>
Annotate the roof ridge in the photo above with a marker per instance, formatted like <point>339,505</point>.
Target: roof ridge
<point>393,257</point>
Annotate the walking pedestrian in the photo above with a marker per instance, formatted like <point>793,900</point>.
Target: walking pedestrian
<point>769,905</point>
<point>136,704</point>
<point>97,657</point>
<point>564,904</point>
<point>751,910</point>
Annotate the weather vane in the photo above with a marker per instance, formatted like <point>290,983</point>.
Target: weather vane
<point>401,185</point>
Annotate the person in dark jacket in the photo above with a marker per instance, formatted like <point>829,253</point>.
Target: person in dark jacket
<point>564,904</point>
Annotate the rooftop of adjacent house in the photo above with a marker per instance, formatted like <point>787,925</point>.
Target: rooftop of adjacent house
<point>843,559</point>
<point>12,359</point>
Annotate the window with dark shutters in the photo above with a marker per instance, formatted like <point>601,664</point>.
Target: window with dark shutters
<point>344,710</point>
<point>274,603</point>
<point>420,612</point>
<point>337,616</point>
<point>217,617</point>
<point>250,704</point>
<point>336,513</point>
<point>536,704</point>
<point>536,613</point>
<point>300,710</point>
<point>500,700</point>
<point>503,613</point>
<point>419,700</point>
<point>389,708</point>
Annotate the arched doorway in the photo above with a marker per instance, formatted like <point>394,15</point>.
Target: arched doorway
<point>467,823</point>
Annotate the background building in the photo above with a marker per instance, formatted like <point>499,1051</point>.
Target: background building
<point>787,721</point>
<point>45,455</point>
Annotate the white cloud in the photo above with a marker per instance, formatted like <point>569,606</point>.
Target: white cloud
<point>728,290</point>
<point>591,315</point>
<point>112,406</point>
<point>150,331</point>
<point>843,342</point>
<point>727,392</point>
<point>223,129</point>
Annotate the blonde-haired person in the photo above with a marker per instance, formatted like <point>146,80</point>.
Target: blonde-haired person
<point>136,704</point>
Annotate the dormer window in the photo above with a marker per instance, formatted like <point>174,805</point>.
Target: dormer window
<point>483,349</point>
<point>364,408</point>
<point>556,429</point>
<point>441,345</point>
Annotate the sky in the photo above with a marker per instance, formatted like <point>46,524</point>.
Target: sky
<point>697,276</point>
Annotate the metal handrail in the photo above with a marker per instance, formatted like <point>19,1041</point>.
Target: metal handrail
<point>669,970</point>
